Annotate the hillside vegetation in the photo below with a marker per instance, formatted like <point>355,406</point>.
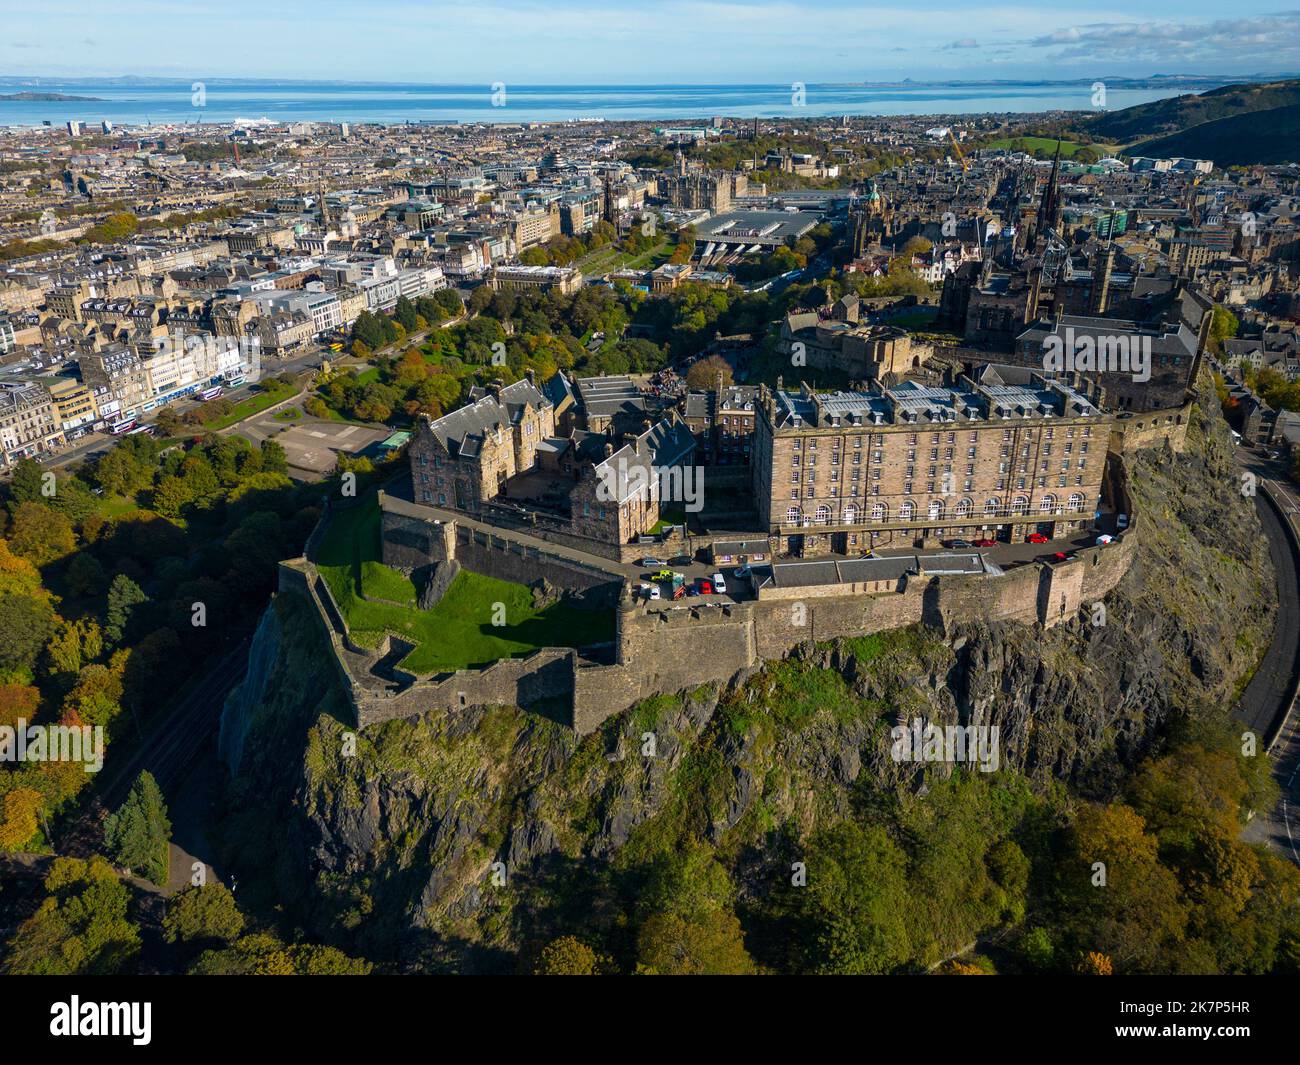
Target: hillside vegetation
<point>1179,113</point>
<point>1260,137</point>
<point>766,827</point>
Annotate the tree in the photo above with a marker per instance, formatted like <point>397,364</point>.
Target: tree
<point>703,374</point>
<point>124,596</point>
<point>570,956</point>
<point>84,575</point>
<point>1223,324</point>
<point>274,459</point>
<point>80,929</point>
<point>41,535</point>
<point>200,914</point>
<point>137,833</point>
<point>710,945</point>
<point>261,954</point>
<point>18,810</point>
<point>855,908</point>
<point>1136,916</point>
<point>26,623</point>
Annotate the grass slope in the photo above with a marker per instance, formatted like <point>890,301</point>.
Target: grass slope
<point>458,632</point>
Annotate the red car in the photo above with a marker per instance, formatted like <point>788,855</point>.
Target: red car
<point>703,586</point>
<point>1035,538</point>
<point>986,543</point>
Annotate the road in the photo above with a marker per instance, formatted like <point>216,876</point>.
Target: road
<point>1267,699</point>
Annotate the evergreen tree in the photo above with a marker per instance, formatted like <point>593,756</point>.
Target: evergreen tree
<point>124,595</point>
<point>137,833</point>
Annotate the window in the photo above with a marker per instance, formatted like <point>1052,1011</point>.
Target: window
<point>1019,505</point>
<point>850,513</point>
<point>792,516</point>
<point>1047,504</point>
<point>906,510</point>
<point>823,515</point>
<point>936,510</point>
<point>879,512</point>
<point>964,508</point>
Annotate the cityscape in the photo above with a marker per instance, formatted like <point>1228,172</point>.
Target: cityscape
<point>638,524</point>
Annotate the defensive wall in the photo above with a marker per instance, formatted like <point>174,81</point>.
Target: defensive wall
<point>663,646</point>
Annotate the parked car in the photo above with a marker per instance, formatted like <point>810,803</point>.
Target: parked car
<point>719,583</point>
<point>650,563</point>
<point>958,544</point>
<point>693,589</point>
<point>1121,521</point>
<point>652,591</point>
<point>741,572</point>
<point>703,586</point>
<point>1059,556</point>
<point>664,574</point>
<point>1035,538</point>
<point>986,542</point>
<point>680,560</point>
<point>1104,539</point>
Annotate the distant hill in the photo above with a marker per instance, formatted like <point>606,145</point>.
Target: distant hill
<point>1179,113</point>
<point>1267,137</point>
<point>46,96</point>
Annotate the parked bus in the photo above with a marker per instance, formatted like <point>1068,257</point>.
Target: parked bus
<point>140,429</point>
<point>235,382</point>
<point>210,393</point>
<point>118,428</point>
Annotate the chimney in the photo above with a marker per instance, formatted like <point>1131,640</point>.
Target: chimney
<point>531,376</point>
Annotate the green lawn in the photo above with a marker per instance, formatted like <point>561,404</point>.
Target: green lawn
<point>459,632</point>
<point>273,393</point>
<point>1048,144</point>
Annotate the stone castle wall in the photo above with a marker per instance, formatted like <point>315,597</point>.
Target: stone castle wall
<point>669,647</point>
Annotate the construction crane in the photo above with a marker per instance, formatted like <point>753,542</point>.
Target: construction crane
<point>957,148</point>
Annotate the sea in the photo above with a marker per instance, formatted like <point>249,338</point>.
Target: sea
<point>230,100</point>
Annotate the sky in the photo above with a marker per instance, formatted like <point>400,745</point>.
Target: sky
<point>617,42</point>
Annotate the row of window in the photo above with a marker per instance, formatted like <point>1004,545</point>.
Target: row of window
<point>938,511</point>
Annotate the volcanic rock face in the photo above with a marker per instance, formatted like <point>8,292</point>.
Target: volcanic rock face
<point>441,841</point>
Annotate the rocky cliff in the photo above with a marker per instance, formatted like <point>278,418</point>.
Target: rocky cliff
<point>454,841</point>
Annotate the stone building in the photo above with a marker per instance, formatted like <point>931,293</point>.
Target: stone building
<point>464,458</point>
<point>846,471</point>
<point>28,422</point>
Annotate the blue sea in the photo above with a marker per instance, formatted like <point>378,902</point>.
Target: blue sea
<point>224,100</point>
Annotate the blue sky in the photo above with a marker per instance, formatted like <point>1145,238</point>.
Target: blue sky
<point>646,41</point>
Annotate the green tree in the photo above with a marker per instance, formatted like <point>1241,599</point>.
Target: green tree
<point>81,928</point>
<point>570,956</point>
<point>41,535</point>
<point>124,598</point>
<point>855,906</point>
<point>137,833</point>
<point>202,914</point>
